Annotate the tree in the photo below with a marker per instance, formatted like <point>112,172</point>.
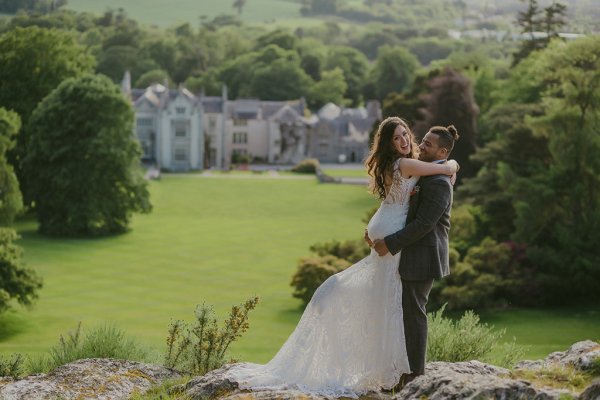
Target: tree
<point>83,161</point>
<point>33,61</point>
<point>11,201</point>
<point>239,4</point>
<point>151,77</point>
<point>557,209</point>
<point>549,21</point>
<point>394,70</point>
<point>279,80</point>
<point>330,88</point>
<point>355,67</point>
<point>16,282</point>
<point>450,101</point>
<point>539,184</point>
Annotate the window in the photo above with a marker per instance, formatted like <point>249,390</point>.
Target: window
<point>212,122</point>
<point>240,122</point>
<point>144,122</point>
<point>180,129</point>
<point>180,110</point>
<point>180,154</point>
<point>240,137</point>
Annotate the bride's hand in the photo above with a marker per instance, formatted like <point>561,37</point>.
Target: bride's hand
<point>454,165</point>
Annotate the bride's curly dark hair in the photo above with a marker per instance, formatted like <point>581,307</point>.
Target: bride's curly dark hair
<point>383,154</point>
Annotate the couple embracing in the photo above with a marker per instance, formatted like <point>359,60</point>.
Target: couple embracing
<point>365,328</point>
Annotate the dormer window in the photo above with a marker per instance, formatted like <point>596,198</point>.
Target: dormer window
<point>180,110</point>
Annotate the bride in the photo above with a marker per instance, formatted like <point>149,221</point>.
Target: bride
<point>350,339</point>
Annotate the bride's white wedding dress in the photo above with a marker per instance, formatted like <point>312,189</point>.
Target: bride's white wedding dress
<point>350,339</point>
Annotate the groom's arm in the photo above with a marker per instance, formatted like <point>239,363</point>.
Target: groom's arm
<point>435,195</point>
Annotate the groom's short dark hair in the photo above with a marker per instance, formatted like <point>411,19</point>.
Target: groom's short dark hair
<point>446,136</point>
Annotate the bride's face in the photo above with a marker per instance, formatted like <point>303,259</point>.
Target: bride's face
<point>401,140</point>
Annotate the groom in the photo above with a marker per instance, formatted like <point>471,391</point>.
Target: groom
<point>424,245</point>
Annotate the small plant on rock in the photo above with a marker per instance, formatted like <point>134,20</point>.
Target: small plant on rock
<point>11,366</point>
<point>202,347</point>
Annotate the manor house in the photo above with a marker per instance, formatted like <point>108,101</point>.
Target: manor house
<point>181,131</point>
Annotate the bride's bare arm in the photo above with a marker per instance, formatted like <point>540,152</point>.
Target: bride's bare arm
<point>411,167</point>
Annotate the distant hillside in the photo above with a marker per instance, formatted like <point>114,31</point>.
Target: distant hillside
<point>169,12</point>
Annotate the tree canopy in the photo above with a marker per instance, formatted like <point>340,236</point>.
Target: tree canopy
<point>83,161</point>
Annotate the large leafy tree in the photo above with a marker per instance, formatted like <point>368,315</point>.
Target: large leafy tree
<point>355,67</point>
<point>330,88</point>
<point>557,209</point>
<point>534,19</point>
<point>16,282</point>
<point>539,185</point>
<point>33,61</point>
<point>394,70</point>
<point>450,101</point>
<point>10,195</point>
<point>82,163</point>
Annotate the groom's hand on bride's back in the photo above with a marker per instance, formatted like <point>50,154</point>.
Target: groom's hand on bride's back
<point>380,247</point>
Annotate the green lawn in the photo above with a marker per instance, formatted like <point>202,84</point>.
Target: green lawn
<point>348,173</point>
<point>168,13</point>
<point>219,240</point>
<point>214,240</point>
<point>543,331</point>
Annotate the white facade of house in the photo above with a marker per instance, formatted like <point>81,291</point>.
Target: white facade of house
<point>169,126</point>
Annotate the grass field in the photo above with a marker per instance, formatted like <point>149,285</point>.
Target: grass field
<point>167,13</point>
<point>214,240</point>
<point>219,240</point>
<point>347,172</point>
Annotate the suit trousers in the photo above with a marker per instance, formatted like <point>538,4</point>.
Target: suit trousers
<point>414,299</point>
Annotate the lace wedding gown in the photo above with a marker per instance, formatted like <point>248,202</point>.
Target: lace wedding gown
<point>350,339</point>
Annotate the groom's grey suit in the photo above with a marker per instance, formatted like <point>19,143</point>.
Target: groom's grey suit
<point>424,257</point>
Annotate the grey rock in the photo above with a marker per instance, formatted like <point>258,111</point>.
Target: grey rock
<point>100,378</point>
<point>592,392</point>
<point>209,386</point>
<point>472,380</point>
<point>580,355</point>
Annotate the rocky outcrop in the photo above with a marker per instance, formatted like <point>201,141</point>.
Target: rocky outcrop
<point>96,378</point>
<point>580,355</point>
<point>473,380</point>
<point>119,379</point>
<point>442,380</point>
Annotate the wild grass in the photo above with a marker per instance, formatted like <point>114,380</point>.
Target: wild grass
<point>106,341</point>
<point>12,366</point>
<point>557,377</point>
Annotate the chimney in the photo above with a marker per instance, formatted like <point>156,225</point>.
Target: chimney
<point>126,84</point>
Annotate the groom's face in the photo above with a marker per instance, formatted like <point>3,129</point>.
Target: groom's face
<point>430,150</point>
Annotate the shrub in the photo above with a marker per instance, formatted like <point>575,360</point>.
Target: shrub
<point>488,275</point>
<point>307,166</point>
<point>202,347</point>
<point>467,339</point>
<point>11,366</point>
<point>105,341</point>
<point>312,272</point>
<point>349,250</point>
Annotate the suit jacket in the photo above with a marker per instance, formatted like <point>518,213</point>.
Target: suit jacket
<point>424,239</point>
